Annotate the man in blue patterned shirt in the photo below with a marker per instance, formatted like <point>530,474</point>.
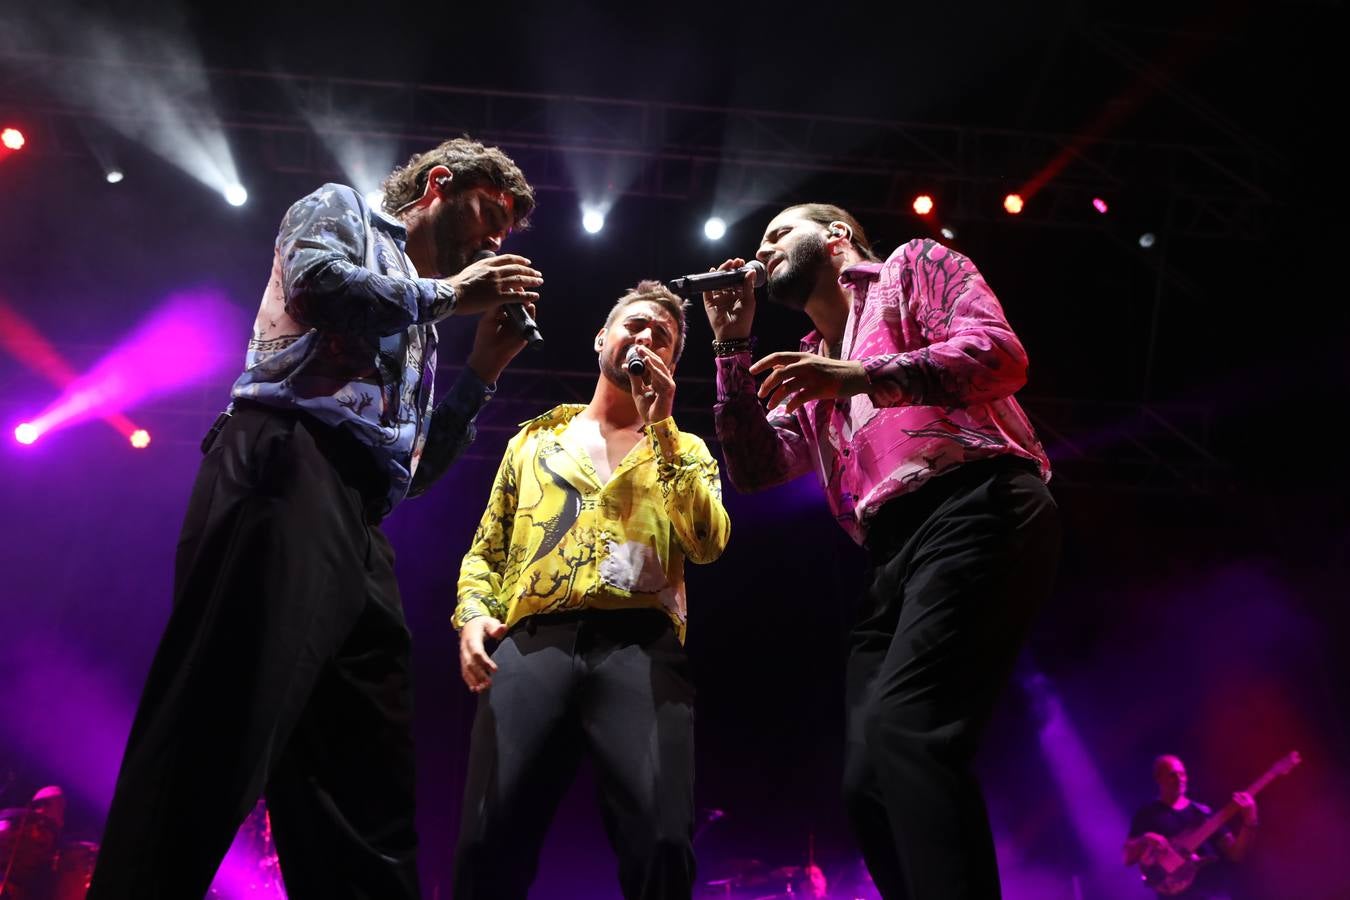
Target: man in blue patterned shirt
<point>285,665</point>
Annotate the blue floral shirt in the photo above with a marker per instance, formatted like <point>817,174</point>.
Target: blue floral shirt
<point>345,332</point>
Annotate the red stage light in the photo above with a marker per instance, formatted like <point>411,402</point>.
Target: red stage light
<point>140,439</point>
<point>923,204</point>
<point>1013,204</point>
<point>12,138</point>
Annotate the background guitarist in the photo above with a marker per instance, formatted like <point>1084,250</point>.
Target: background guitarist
<point>1173,813</point>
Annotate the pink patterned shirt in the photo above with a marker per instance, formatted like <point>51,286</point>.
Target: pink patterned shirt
<point>943,364</point>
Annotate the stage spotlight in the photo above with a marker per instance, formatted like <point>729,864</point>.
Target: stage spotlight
<point>188,328</point>
<point>1147,239</point>
<point>1013,204</point>
<point>714,229</point>
<point>923,204</point>
<point>592,220</point>
<point>235,195</point>
<point>26,433</point>
<point>140,439</point>
<point>1099,205</point>
<point>1093,814</point>
<point>114,176</point>
<point>948,233</point>
<point>12,138</point>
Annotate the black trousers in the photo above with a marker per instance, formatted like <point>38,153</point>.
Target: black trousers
<point>958,569</point>
<point>284,668</point>
<point>613,684</point>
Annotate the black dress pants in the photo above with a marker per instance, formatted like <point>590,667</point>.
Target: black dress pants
<point>959,568</point>
<point>285,667</point>
<point>613,684</point>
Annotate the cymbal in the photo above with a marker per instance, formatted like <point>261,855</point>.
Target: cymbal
<point>18,817</point>
<point>738,872</point>
<point>14,813</point>
<point>788,872</point>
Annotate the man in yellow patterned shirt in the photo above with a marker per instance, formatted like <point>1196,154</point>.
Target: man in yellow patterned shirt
<point>577,568</point>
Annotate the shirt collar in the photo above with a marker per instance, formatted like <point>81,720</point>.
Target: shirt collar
<point>858,273</point>
<point>397,229</point>
<point>855,276</point>
<point>558,415</point>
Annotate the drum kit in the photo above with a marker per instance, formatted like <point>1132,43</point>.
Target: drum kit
<point>34,865</point>
<point>253,861</point>
<point>752,879</point>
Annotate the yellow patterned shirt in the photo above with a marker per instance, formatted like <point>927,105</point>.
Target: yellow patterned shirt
<point>553,538</point>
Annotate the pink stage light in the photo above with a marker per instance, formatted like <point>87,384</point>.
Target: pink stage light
<point>1099,205</point>
<point>186,342</point>
<point>26,344</point>
<point>26,433</point>
<point>12,138</point>
<point>140,439</point>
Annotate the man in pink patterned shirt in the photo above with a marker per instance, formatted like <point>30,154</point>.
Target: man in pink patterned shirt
<point>901,401</point>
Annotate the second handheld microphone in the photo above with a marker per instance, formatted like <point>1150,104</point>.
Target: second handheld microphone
<point>525,325</point>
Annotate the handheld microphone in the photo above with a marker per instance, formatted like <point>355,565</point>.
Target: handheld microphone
<point>633,362</point>
<point>524,324</point>
<point>711,281</point>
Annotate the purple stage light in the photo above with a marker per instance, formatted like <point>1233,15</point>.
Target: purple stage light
<point>189,340</point>
<point>1098,822</point>
<point>250,870</point>
<point>21,339</point>
<point>65,714</point>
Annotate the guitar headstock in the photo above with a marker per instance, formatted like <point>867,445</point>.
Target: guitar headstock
<point>1285,764</point>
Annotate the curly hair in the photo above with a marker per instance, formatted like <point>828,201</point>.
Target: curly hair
<point>658,293</point>
<point>472,164</point>
<point>825,213</point>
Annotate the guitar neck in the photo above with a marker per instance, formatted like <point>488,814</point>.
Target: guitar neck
<point>1214,822</point>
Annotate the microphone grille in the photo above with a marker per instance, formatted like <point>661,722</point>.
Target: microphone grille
<point>760,272</point>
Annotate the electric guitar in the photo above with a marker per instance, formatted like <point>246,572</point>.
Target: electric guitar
<point>1173,868</point>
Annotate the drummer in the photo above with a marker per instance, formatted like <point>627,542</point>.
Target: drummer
<point>50,801</point>
<point>28,842</point>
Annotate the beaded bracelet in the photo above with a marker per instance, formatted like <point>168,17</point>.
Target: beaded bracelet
<point>733,346</point>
